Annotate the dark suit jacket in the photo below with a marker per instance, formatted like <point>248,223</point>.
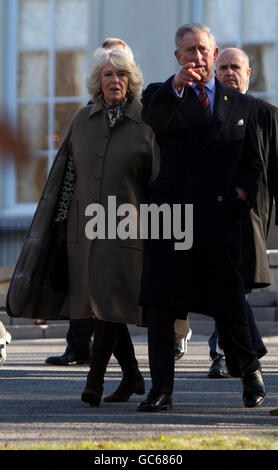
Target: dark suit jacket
<point>255,266</point>
<point>201,165</point>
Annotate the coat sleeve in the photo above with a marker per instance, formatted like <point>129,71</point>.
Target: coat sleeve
<point>30,294</point>
<point>273,161</point>
<point>160,104</point>
<point>251,164</point>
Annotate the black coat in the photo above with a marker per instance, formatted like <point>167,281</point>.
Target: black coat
<point>254,266</point>
<point>201,165</point>
<point>34,291</point>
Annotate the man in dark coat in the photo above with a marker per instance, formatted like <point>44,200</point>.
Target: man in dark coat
<point>233,70</point>
<point>209,158</point>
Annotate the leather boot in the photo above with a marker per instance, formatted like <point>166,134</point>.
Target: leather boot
<point>132,381</point>
<point>105,339</point>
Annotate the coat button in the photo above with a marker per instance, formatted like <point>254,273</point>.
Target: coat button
<point>97,177</point>
<point>106,136</point>
<point>220,198</point>
<point>100,155</point>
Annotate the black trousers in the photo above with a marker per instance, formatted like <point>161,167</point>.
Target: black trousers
<point>236,340</point>
<point>113,338</point>
<point>79,336</point>
<point>257,341</point>
<point>161,338</point>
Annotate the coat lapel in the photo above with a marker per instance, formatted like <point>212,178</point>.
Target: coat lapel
<point>225,100</point>
<point>193,111</point>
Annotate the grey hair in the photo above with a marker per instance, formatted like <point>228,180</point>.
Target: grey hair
<point>121,61</point>
<point>192,28</point>
<point>110,43</point>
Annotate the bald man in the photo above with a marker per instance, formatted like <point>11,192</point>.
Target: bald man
<point>233,70</point>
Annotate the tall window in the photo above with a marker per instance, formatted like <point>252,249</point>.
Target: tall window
<point>251,25</point>
<point>51,40</point>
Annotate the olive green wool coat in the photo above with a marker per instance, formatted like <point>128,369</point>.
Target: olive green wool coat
<point>103,274</point>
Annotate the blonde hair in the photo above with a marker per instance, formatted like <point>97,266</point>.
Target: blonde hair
<point>121,60</point>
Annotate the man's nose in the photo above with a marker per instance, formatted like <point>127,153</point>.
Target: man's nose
<point>198,55</point>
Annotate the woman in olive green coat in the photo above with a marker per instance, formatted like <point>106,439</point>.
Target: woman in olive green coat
<point>108,155</point>
<point>115,152</point>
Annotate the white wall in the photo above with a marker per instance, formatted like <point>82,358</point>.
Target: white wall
<point>1,49</point>
<point>148,26</point>
<point>1,73</point>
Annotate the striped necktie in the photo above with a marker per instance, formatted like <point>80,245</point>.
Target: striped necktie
<point>203,97</point>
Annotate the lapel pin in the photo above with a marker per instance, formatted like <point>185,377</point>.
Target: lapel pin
<point>226,98</point>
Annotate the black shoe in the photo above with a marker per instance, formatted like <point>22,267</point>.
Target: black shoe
<point>126,389</point>
<point>156,401</point>
<point>67,359</point>
<point>253,389</point>
<point>92,397</point>
<point>218,369</point>
<point>181,346</point>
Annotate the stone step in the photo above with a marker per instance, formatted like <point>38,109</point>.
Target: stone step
<point>31,331</point>
<point>6,273</point>
<point>265,314</point>
<point>262,298</point>
<point>200,325</point>
<point>263,302</point>
<point>4,318</point>
<point>59,330</point>
<point>2,301</point>
<point>260,313</point>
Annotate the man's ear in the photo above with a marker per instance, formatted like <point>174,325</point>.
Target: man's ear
<point>178,57</point>
<point>216,51</point>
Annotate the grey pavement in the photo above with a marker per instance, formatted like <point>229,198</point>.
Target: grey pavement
<point>41,403</point>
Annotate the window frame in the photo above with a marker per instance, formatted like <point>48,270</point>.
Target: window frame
<point>197,14</point>
<point>9,206</point>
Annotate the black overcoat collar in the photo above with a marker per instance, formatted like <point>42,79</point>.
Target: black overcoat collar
<point>225,100</point>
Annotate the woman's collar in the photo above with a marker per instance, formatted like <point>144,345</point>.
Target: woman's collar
<point>133,110</point>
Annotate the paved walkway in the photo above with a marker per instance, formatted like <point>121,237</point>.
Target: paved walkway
<point>41,403</point>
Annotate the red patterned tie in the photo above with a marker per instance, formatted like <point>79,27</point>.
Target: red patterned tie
<point>203,97</point>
